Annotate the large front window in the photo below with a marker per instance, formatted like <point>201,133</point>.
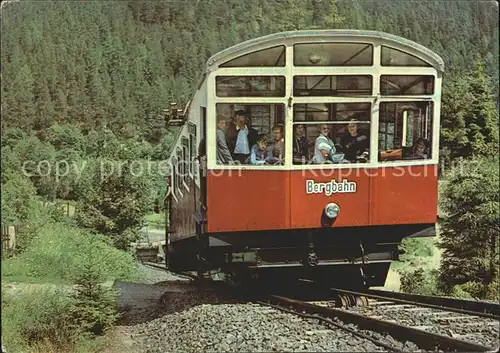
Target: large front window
<point>333,90</point>
<point>332,85</point>
<point>405,131</point>
<point>333,54</point>
<point>252,134</point>
<point>405,85</point>
<point>331,133</point>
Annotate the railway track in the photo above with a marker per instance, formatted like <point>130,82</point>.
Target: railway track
<point>429,323</point>
<point>369,319</point>
<point>471,321</point>
<point>462,306</point>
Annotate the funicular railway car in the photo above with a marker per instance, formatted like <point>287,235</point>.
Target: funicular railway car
<point>318,154</point>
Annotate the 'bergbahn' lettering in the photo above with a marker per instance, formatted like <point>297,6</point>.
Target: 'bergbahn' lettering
<point>330,188</point>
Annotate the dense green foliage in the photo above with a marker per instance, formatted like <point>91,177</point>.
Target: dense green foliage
<point>59,250</point>
<point>469,116</point>
<point>419,281</point>
<point>117,64</point>
<point>470,230</point>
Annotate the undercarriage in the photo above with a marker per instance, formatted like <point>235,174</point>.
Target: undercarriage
<point>342,257</point>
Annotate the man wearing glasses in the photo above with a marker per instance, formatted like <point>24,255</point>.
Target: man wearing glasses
<point>324,147</point>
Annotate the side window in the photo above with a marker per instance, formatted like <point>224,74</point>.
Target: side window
<point>178,171</point>
<point>250,86</point>
<point>250,134</point>
<point>405,131</point>
<point>326,133</point>
<point>173,177</point>
<point>185,160</point>
<point>192,148</point>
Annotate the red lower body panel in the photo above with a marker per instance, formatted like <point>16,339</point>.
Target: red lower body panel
<point>251,200</point>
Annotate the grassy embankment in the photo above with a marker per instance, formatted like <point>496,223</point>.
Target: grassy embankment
<point>56,294</point>
<point>155,220</point>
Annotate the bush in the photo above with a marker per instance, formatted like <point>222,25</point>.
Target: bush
<point>35,318</point>
<point>44,320</point>
<point>419,281</point>
<point>417,248</point>
<point>475,290</point>
<point>113,199</point>
<point>94,307</point>
<point>59,251</point>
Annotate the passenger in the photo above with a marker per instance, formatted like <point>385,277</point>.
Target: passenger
<point>259,154</point>
<point>324,147</point>
<point>300,145</point>
<point>241,137</point>
<point>354,144</point>
<point>275,151</point>
<point>223,153</point>
<point>420,149</point>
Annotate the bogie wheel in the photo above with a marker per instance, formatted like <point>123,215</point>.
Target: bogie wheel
<point>362,301</point>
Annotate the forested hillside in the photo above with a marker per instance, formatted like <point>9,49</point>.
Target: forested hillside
<point>118,63</point>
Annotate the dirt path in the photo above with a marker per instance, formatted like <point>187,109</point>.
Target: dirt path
<point>118,340</point>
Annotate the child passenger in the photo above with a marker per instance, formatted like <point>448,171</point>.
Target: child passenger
<point>258,154</point>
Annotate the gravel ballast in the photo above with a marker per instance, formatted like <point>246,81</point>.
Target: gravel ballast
<point>470,328</point>
<point>174,315</point>
<point>177,315</point>
<point>243,328</point>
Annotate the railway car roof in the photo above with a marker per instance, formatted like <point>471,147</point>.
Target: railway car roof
<point>323,35</point>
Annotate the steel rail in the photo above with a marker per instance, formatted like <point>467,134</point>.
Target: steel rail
<point>330,322</point>
<point>482,309</point>
<point>423,339</point>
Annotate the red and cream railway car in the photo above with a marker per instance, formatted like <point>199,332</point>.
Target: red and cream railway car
<point>319,154</point>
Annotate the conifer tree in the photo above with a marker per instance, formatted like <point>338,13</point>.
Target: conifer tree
<point>470,230</point>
